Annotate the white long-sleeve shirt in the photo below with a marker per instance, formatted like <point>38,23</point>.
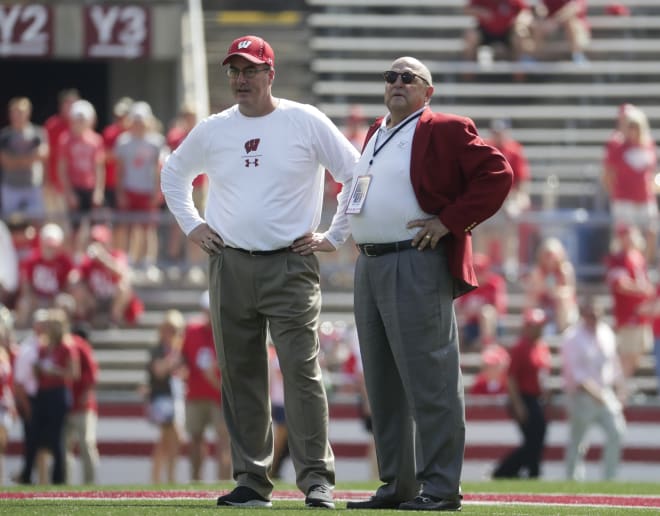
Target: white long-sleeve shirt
<point>266,176</point>
<point>590,356</point>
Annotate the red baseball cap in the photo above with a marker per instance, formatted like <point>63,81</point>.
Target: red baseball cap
<point>252,48</point>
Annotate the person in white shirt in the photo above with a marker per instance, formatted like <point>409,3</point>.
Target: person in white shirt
<point>265,158</point>
<point>8,265</point>
<point>594,385</point>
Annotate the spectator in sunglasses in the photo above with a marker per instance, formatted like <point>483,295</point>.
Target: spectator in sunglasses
<point>424,182</point>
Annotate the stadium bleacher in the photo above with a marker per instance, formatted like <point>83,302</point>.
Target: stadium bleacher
<point>561,112</point>
<point>353,42</point>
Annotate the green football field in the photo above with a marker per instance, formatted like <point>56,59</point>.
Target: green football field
<point>483,498</point>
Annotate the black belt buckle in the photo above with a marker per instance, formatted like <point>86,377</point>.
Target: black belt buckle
<point>260,253</point>
<point>365,249</point>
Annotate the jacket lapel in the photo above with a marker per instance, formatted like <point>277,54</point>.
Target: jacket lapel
<point>421,140</point>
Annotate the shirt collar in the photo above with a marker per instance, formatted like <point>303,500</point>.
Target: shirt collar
<point>383,123</point>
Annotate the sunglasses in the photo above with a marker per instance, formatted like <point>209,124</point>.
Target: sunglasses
<point>406,77</point>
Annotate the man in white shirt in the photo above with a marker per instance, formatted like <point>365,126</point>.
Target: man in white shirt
<point>430,180</point>
<point>265,158</point>
<point>593,382</point>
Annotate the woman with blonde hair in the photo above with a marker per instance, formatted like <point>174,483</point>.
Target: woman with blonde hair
<point>629,173</point>
<point>57,367</point>
<point>166,396</point>
<point>551,283</point>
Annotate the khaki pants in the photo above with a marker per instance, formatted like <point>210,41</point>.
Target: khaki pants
<point>584,411</point>
<point>249,295</point>
<point>80,429</point>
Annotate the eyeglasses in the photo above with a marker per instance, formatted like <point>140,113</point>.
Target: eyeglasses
<point>249,72</point>
<point>406,77</point>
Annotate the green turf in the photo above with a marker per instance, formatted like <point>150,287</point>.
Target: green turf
<point>541,486</point>
<point>118,507</point>
<point>192,507</point>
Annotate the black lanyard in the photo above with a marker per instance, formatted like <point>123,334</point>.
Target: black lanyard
<point>401,126</point>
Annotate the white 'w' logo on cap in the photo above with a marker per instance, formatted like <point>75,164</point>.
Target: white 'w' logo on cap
<point>244,44</point>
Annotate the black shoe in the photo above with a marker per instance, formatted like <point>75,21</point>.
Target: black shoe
<point>319,496</point>
<point>426,502</point>
<point>375,502</point>
<point>243,496</point>
<point>20,478</point>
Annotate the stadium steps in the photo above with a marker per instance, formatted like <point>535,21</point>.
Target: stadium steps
<point>123,353</point>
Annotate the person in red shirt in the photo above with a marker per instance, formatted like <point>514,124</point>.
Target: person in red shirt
<point>7,405</point>
<point>81,421</point>
<point>80,426</point>
<point>631,291</point>
<point>492,378</point>
<point>629,171</point>
<point>527,385</point>
<point>44,273</point>
<point>81,164</point>
<point>203,398</point>
<point>102,283</point>
<point>57,368</point>
<point>57,125</point>
<point>571,16</point>
<point>194,256</point>
<point>504,22</point>
<point>652,308</point>
<point>504,237</point>
<point>479,310</point>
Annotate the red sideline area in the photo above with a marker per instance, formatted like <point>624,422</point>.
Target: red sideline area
<point>640,414</point>
<point>480,498</point>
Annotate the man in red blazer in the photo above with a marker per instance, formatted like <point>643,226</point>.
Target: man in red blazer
<point>424,182</point>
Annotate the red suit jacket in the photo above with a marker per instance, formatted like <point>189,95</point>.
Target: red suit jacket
<point>459,178</point>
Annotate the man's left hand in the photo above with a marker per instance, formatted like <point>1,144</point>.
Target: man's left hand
<point>432,230</point>
<point>311,243</point>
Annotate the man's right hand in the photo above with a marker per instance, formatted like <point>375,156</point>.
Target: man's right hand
<point>206,238</point>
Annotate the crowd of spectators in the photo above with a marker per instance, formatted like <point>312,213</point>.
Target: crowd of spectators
<point>81,215</point>
<point>518,30</point>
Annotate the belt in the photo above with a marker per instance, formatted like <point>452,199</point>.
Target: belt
<point>380,249</point>
<point>260,253</point>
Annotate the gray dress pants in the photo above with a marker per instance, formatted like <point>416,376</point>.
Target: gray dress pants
<point>409,345</point>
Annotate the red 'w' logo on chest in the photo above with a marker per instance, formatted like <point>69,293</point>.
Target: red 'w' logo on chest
<point>252,145</point>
